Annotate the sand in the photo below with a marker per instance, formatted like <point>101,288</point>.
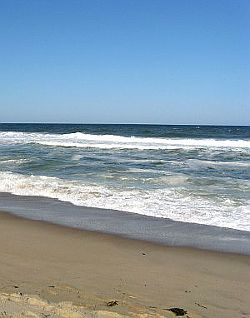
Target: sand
<point>48,270</point>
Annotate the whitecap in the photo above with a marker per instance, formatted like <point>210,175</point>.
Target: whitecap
<point>81,140</point>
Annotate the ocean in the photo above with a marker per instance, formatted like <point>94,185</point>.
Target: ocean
<point>194,174</point>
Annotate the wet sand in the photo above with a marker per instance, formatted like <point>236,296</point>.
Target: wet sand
<point>49,270</point>
<point>131,225</point>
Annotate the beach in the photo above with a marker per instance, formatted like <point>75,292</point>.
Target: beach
<point>124,221</point>
<point>48,270</point>
<point>125,159</point>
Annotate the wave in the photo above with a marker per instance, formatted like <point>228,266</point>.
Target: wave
<point>165,203</point>
<point>13,161</point>
<point>81,140</point>
<point>197,163</point>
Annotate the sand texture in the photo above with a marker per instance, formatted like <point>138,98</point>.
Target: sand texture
<point>53,271</point>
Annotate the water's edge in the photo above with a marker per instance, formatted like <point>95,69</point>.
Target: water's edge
<point>131,225</point>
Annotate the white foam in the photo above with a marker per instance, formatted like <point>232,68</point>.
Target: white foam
<point>166,203</point>
<point>224,164</point>
<point>13,161</point>
<point>81,140</point>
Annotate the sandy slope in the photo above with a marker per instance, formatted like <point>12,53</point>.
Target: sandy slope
<point>51,270</point>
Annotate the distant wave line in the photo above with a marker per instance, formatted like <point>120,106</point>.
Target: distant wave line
<point>81,140</point>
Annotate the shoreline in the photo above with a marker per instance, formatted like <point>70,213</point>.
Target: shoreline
<point>128,225</point>
<point>116,236</point>
<point>54,264</point>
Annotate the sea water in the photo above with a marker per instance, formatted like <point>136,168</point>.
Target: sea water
<point>197,174</point>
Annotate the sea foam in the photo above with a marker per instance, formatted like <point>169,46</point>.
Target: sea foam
<point>81,140</point>
<point>164,203</point>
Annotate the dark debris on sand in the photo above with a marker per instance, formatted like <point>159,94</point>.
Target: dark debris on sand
<point>112,303</point>
<point>178,311</point>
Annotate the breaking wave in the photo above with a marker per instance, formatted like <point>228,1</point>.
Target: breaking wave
<point>165,203</point>
<point>81,140</point>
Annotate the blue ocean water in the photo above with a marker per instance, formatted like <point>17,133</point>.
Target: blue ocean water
<point>196,174</point>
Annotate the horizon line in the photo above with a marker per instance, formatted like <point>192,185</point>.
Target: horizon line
<point>96,123</point>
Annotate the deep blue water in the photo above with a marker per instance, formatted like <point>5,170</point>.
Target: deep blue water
<point>170,131</point>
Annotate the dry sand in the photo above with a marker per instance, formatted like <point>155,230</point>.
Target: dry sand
<point>52,271</point>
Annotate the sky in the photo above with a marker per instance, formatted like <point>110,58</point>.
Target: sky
<point>125,61</point>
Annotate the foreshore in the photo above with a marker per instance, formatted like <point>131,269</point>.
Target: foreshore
<point>131,225</point>
<point>49,270</point>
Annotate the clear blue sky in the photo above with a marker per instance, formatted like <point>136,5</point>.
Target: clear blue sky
<point>125,61</point>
